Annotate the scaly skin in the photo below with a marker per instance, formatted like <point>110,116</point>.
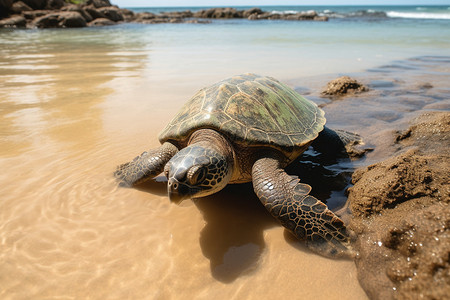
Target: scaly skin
<point>303,215</point>
<point>145,166</point>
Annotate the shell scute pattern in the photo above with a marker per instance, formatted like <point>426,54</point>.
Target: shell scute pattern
<point>251,110</point>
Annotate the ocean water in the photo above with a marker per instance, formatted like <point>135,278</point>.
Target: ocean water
<point>75,103</point>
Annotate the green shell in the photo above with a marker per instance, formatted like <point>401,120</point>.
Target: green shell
<point>251,110</point>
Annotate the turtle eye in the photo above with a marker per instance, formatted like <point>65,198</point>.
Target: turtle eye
<point>196,175</point>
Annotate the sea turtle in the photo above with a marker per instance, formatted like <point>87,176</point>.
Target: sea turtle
<point>247,128</point>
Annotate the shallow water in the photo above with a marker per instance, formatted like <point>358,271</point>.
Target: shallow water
<point>76,103</point>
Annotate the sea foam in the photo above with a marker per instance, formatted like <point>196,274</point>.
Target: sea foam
<point>414,15</point>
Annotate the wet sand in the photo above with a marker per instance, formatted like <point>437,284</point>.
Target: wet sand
<point>67,230</point>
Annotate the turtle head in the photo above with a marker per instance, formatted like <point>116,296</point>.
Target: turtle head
<point>197,171</point>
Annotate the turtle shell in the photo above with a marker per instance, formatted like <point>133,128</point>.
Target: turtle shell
<point>251,110</point>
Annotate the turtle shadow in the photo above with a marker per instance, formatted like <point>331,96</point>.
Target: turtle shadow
<point>235,220</point>
<point>232,238</point>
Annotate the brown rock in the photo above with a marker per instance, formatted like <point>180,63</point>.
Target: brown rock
<point>101,22</point>
<point>30,15</point>
<point>80,10</point>
<point>128,15</point>
<point>55,4</point>
<point>6,4</point>
<point>13,22</point>
<point>18,7</point>
<point>113,13</point>
<point>219,13</point>
<point>247,13</point>
<point>36,4</point>
<point>342,86</point>
<point>178,14</point>
<point>99,3</point>
<point>60,19</point>
<point>321,18</point>
<point>139,17</point>
<point>94,12</point>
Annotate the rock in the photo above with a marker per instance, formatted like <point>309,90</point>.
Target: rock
<point>127,14</point>
<point>101,22</point>
<point>6,4</point>
<point>219,13</point>
<point>321,18</point>
<point>112,13</point>
<point>94,12</point>
<point>60,19</point>
<point>342,86</point>
<point>18,7</point>
<point>30,15</point>
<point>80,10</point>
<point>55,4</point>
<point>36,4</point>
<point>252,11</point>
<point>141,17</point>
<point>178,14</point>
<point>99,3</point>
<point>13,22</point>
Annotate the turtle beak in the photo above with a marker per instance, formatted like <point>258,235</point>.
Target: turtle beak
<point>177,191</point>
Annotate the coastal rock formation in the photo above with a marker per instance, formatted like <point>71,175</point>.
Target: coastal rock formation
<point>60,13</point>
<point>53,13</point>
<point>401,215</point>
<point>342,86</point>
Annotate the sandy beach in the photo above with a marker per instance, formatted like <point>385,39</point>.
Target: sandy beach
<point>75,103</point>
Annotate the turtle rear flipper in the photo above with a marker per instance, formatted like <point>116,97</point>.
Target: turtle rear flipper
<point>303,215</point>
<point>339,144</point>
<point>145,166</point>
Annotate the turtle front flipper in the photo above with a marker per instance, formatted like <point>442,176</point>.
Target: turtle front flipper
<point>145,166</point>
<point>303,215</point>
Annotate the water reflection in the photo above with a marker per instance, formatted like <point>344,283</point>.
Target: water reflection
<point>53,82</point>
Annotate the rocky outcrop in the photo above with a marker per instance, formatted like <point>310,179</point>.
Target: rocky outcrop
<point>60,13</point>
<point>61,19</point>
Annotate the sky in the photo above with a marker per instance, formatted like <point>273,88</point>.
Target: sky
<point>224,3</point>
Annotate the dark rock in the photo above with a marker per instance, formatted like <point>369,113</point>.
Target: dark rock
<point>178,14</point>
<point>60,19</point>
<point>18,7</point>
<point>99,3</point>
<point>30,15</point>
<point>94,12</point>
<point>127,14</point>
<point>309,15</point>
<point>342,86</point>
<point>112,13</point>
<point>13,22</point>
<point>101,22</point>
<point>80,10</point>
<point>55,4</point>
<point>36,4</point>
<point>219,13</point>
<point>144,16</point>
<point>6,4</point>
<point>247,13</point>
